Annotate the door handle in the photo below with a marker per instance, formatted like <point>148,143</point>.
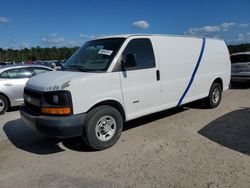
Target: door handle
<point>8,84</point>
<point>158,75</point>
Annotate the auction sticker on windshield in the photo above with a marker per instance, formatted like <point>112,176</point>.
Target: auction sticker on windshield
<point>105,52</point>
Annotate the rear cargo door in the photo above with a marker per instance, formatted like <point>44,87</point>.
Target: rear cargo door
<point>140,84</point>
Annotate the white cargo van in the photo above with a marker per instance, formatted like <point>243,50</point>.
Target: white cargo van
<point>119,78</point>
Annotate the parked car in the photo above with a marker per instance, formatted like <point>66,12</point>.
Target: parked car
<point>12,82</point>
<point>115,79</point>
<point>240,67</point>
<point>3,64</point>
<point>46,63</point>
<point>59,65</point>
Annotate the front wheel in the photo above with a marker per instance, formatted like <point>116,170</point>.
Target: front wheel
<point>215,95</point>
<point>103,127</point>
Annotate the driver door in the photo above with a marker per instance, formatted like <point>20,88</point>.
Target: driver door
<point>141,83</point>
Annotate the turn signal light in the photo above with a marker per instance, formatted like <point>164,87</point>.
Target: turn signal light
<point>56,111</point>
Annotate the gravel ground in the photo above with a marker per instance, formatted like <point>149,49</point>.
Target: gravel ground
<point>183,147</point>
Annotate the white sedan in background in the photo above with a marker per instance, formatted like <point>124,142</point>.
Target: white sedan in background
<point>12,82</point>
<point>240,67</point>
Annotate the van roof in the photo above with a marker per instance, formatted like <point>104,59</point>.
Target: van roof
<point>167,35</point>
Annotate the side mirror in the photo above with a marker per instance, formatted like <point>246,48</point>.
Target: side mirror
<point>130,61</point>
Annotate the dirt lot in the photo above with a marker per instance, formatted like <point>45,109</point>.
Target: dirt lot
<point>184,147</point>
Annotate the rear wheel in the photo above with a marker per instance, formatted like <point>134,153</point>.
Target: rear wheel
<point>103,127</point>
<point>215,95</point>
<point>4,104</point>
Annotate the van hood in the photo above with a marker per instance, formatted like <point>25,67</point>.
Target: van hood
<point>56,80</point>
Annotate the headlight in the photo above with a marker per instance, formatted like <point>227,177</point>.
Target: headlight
<point>57,103</point>
<point>57,98</point>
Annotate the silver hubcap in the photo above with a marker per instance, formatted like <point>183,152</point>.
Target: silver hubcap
<point>1,105</point>
<point>216,95</point>
<point>105,128</point>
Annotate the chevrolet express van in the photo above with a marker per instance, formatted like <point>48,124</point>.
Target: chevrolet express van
<point>115,79</point>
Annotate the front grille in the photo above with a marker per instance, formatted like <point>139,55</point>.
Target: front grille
<point>33,108</point>
<point>32,93</point>
<point>32,100</point>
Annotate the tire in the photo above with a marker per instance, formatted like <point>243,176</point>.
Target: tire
<point>215,95</point>
<point>103,127</point>
<point>4,104</point>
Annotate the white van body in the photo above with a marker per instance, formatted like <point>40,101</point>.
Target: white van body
<point>176,58</point>
<point>185,69</point>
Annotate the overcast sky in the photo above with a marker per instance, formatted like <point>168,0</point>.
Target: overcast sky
<point>47,23</point>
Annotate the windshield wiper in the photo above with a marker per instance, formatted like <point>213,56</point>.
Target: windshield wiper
<point>78,67</point>
<point>82,68</point>
<point>75,66</point>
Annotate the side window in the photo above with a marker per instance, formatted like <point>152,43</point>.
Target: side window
<point>19,73</point>
<point>4,75</point>
<point>143,51</point>
<point>38,70</point>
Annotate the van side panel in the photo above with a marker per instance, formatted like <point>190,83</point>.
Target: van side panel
<point>177,58</point>
<point>216,64</point>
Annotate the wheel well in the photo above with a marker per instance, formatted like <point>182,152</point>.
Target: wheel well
<point>114,104</point>
<point>219,81</point>
<point>9,104</point>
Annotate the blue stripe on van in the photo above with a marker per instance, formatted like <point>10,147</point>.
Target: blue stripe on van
<point>194,72</point>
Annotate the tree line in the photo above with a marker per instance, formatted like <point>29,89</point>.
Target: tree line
<point>239,48</point>
<point>38,53</point>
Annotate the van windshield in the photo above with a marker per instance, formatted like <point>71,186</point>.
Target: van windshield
<point>241,58</point>
<point>95,55</point>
